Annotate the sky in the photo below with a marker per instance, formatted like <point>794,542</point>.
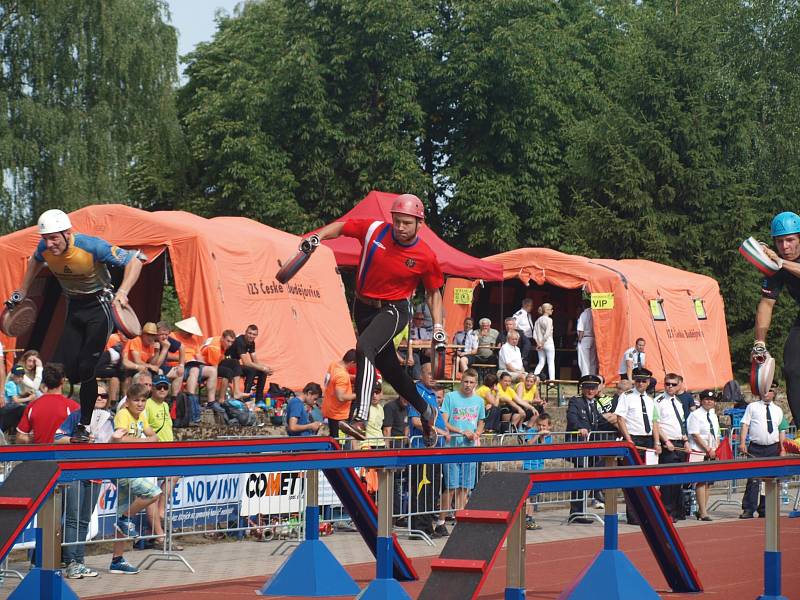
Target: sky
<point>194,20</point>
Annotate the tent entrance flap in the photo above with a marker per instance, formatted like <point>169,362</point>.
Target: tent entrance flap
<point>498,300</point>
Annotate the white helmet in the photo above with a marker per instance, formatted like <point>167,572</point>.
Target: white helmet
<point>54,221</point>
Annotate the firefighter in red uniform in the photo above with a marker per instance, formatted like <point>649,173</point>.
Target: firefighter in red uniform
<point>394,260</point>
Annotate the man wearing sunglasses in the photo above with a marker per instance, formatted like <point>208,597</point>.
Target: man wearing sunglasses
<point>638,422</point>
<point>674,440</point>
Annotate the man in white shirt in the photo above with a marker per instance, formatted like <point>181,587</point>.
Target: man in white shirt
<point>524,322</point>
<point>674,438</point>
<point>510,357</point>
<point>633,358</point>
<point>702,426</point>
<point>587,351</point>
<point>761,421</point>
<point>638,422</point>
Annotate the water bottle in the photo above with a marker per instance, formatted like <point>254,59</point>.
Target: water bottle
<point>784,492</point>
<point>693,496</point>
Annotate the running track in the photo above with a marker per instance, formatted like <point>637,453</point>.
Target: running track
<point>728,557</point>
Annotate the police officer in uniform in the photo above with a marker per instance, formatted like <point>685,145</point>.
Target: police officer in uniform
<point>525,327</point>
<point>672,430</point>
<point>637,421</point>
<point>761,422</point>
<point>583,417</point>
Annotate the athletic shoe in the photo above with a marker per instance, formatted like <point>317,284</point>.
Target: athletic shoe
<point>746,515</point>
<point>441,530</point>
<point>126,527</point>
<point>531,524</point>
<point>429,434</point>
<point>73,571</point>
<point>80,435</point>
<point>86,571</point>
<point>122,566</point>
<point>355,429</point>
<point>598,504</point>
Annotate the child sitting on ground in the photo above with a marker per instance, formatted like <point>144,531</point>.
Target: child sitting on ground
<point>538,434</point>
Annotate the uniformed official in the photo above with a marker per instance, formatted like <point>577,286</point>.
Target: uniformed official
<point>587,351</point>
<point>525,325</point>
<point>637,421</point>
<point>761,421</point>
<point>583,417</point>
<point>672,430</point>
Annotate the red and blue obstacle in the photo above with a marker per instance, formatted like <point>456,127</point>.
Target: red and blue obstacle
<point>285,454</point>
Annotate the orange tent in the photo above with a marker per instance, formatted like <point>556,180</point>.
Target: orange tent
<point>223,269</point>
<point>681,315</point>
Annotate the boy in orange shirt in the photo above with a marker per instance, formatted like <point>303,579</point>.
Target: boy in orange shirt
<point>338,392</point>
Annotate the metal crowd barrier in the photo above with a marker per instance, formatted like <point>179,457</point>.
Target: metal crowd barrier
<point>733,489</point>
<point>251,505</point>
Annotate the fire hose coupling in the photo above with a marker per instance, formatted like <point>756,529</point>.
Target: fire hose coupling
<point>439,338</point>
<point>16,298</point>
<point>310,243</point>
<point>759,352</point>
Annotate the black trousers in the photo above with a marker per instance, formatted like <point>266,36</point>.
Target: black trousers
<point>791,371</point>
<point>642,441</point>
<point>576,496</point>
<point>252,375</point>
<point>672,495</point>
<point>752,501</point>
<point>493,417</point>
<point>87,326</point>
<point>423,497</point>
<point>377,328</point>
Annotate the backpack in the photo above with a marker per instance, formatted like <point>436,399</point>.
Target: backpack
<point>733,393</point>
<point>238,414</point>
<point>180,412</point>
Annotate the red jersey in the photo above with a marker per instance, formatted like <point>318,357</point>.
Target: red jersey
<point>389,270</point>
<point>44,415</point>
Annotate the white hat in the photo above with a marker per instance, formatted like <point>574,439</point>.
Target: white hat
<point>53,221</point>
<point>190,325</point>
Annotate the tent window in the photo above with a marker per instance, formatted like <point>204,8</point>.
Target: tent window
<point>700,308</point>
<point>657,309</point>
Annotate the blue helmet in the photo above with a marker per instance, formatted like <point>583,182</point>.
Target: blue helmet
<point>785,223</point>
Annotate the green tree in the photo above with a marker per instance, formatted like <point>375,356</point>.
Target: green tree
<point>85,87</point>
<point>516,76</point>
<point>296,109</point>
<point>668,170</point>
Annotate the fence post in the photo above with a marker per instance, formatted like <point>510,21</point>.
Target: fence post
<point>611,523</point>
<point>384,586</point>
<point>45,580</point>
<point>515,561</point>
<point>772,548</point>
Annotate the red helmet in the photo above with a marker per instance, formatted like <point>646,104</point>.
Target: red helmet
<point>408,204</point>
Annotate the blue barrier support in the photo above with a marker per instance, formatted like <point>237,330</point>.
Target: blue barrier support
<point>311,570</point>
<point>384,586</point>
